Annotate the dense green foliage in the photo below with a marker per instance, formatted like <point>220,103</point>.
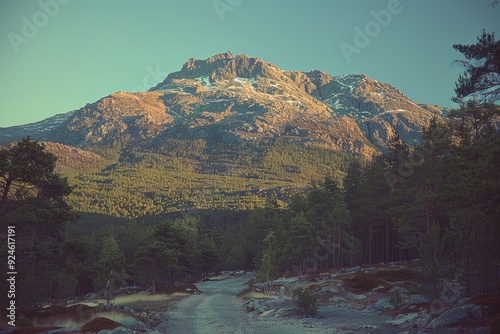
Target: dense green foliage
<point>180,174</point>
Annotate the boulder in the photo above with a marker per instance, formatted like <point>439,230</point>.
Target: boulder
<point>353,269</point>
<point>383,304</point>
<point>339,300</point>
<point>277,303</point>
<point>329,290</point>
<point>415,299</point>
<point>356,297</point>
<point>91,296</point>
<point>267,313</point>
<point>282,312</point>
<point>404,320</point>
<point>286,281</point>
<point>457,315</point>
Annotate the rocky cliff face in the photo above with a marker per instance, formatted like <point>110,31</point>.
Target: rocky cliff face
<point>116,119</point>
<point>242,98</point>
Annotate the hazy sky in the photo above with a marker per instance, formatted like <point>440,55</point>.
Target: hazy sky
<point>58,55</point>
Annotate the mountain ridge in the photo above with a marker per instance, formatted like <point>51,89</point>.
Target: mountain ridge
<point>207,87</point>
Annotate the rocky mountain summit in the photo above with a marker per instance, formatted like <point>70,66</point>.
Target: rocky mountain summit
<point>242,98</point>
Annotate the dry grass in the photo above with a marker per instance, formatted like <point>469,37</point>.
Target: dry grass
<point>130,299</point>
<point>88,303</point>
<point>157,303</point>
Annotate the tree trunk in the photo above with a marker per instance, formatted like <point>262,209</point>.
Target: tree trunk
<point>370,237</point>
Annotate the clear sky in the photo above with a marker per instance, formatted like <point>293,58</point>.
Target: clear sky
<point>58,55</point>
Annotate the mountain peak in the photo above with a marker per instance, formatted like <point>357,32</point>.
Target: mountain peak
<point>223,66</point>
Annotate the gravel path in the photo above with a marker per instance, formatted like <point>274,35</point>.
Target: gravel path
<point>218,311</point>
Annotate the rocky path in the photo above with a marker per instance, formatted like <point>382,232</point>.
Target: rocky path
<point>217,310</point>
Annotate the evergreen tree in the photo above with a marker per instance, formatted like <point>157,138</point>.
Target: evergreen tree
<point>268,268</point>
<point>260,223</point>
<point>300,242</point>
<point>473,201</point>
<point>154,262</point>
<point>472,190</point>
<point>372,220</point>
<point>208,258</point>
<point>109,265</point>
<point>33,200</point>
<point>481,80</point>
<point>417,204</point>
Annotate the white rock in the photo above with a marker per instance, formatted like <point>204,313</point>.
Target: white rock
<point>414,299</point>
<point>267,313</point>
<point>403,320</point>
<point>383,304</point>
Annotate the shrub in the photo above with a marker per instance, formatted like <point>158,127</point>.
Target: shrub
<point>306,300</point>
<point>363,281</point>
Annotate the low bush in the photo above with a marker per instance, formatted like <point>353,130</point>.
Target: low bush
<point>363,281</point>
<point>306,300</point>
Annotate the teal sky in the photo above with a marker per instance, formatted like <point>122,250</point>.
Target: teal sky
<point>82,50</point>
